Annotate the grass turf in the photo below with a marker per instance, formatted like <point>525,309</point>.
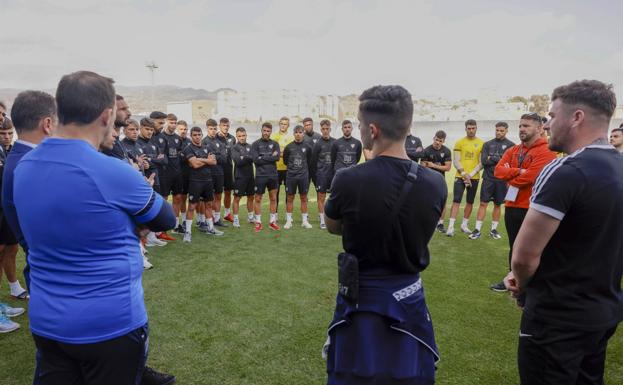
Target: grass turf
<point>253,308</point>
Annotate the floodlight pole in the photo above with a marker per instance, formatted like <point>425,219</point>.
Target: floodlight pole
<point>152,66</point>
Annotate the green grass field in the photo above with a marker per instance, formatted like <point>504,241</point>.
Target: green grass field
<point>253,309</point>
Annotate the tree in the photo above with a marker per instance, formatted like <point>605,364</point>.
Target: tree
<point>519,99</point>
<point>539,104</point>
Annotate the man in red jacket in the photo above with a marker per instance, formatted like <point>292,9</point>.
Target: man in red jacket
<point>519,167</point>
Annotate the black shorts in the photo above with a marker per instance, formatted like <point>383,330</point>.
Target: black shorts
<point>171,185</point>
<point>493,190</point>
<point>185,183</point>
<point>323,183</point>
<point>200,191</point>
<point>6,233</point>
<point>549,354</point>
<point>459,188</point>
<point>297,184</point>
<point>282,175</point>
<point>244,187</point>
<point>120,360</point>
<point>228,178</point>
<point>262,183</point>
<point>218,181</point>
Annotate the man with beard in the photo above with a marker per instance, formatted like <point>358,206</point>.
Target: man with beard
<point>345,151</point>
<point>519,167</point>
<point>322,167</point>
<point>439,158</point>
<point>297,157</point>
<point>492,189</point>
<point>121,120</point>
<point>266,153</point>
<point>227,140</point>
<point>171,180</point>
<point>218,175</point>
<point>567,258</point>
<point>182,131</point>
<point>311,137</point>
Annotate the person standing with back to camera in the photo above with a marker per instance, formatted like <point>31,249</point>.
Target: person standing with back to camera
<point>386,211</point>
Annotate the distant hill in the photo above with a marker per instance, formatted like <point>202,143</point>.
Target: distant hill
<point>139,97</point>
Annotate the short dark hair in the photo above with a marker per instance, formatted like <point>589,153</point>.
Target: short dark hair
<point>532,116</point>
<point>620,129</point>
<point>346,122</point>
<point>224,120</point>
<point>298,127</point>
<point>196,129</point>
<point>441,134</point>
<point>29,108</point>
<point>591,93</point>
<point>240,129</point>
<point>182,123</point>
<point>543,119</point>
<point>267,124</point>
<point>470,122</point>
<point>307,119</point>
<point>2,105</point>
<point>390,107</point>
<point>284,118</point>
<point>119,97</point>
<point>172,116</point>
<point>621,125</point>
<point>148,122</point>
<point>82,96</point>
<point>7,124</point>
<point>157,115</point>
<point>132,122</point>
<point>211,123</point>
<point>325,122</point>
<point>502,124</point>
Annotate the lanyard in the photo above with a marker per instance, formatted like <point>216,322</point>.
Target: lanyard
<point>522,156</point>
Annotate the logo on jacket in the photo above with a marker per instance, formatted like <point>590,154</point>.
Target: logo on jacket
<point>304,149</point>
<point>177,141</point>
<point>270,146</point>
<point>248,149</point>
<point>352,145</point>
<point>412,141</point>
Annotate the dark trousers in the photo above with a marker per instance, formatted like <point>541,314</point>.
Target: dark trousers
<point>552,355</point>
<point>119,361</point>
<point>513,218</point>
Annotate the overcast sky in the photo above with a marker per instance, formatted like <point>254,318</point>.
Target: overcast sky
<point>446,48</point>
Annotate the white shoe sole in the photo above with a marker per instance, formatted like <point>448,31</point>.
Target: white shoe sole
<point>11,329</point>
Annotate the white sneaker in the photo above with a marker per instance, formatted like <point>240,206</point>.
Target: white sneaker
<point>323,226</point>
<point>466,230</point>
<point>153,241</point>
<point>146,264</point>
<point>11,311</point>
<point>215,232</point>
<point>187,238</point>
<point>306,225</point>
<point>236,223</point>
<point>288,225</point>
<point>6,325</point>
<point>450,232</point>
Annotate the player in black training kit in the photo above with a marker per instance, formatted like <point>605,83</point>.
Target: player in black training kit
<point>322,167</point>
<point>244,184</point>
<point>266,153</point>
<point>171,181</point>
<point>182,131</point>
<point>227,140</point>
<point>414,148</point>
<point>345,151</point>
<point>492,189</point>
<point>439,158</point>
<point>568,255</point>
<point>311,137</point>
<point>297,157</point>
<point>218,176</point>
<point>200,186</point>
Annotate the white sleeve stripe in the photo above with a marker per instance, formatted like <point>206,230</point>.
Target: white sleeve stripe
<point>548,211</point>
<point>545,174</point>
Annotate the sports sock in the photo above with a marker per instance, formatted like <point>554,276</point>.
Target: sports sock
<point>189,225</point>
<point>258,218</point>
<point>182,217</point>
<point>451,223</point>
<point>289,217</point>
<point>321,219</point>
<point>464,223</point>
<point>494,225</point>
<point>478,225</point>
<point>217,216</point>
<point>227,211</point>
<point>236,217</point>
<point>201,218</point>
<point>305,217</point>
<point>16,288</point>
<point>440,222</point>
<point>251,216</point>
<point>273,217</point>
<point>210,222</point>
